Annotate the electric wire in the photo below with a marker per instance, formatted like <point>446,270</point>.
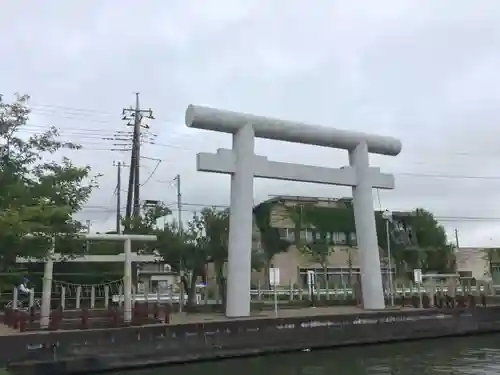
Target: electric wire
<point>100,139</point>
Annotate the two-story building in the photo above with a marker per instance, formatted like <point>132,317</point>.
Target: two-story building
<point>480,263</point>
<point>342,264</point>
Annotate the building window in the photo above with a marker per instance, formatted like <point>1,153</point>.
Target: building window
<point>309,236</point>
<point>335,279</point>
<point>339,238</point>
<point>328,237</point>
<point>335,275</point>
<point>495,274</point>
<point>287,234</point>
<point>306,235</point>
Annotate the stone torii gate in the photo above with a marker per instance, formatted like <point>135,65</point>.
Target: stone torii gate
<point>243,165</point>
<point>127,270</point>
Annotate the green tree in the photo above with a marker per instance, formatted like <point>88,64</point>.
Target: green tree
<point>492,256</point>
<point>204,240</point>
<point>214,224</point>
<point>318,248</point>
<point>270,239</point>
<point>38,195</point>
<point>417,241</point>
<point>178,248</point>
<point>186,250</point>
<point>318,251</point>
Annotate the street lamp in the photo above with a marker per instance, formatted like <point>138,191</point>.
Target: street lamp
<point>387,216</point>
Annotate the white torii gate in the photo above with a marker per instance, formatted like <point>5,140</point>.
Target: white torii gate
<point>243,165</point>
<point>127,271</point>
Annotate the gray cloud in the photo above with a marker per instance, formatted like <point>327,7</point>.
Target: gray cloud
<point>423,71</point>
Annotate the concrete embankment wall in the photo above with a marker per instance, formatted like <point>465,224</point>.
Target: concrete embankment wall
<point>96,350</point>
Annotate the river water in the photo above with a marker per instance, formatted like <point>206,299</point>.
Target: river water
<point>470,355</point>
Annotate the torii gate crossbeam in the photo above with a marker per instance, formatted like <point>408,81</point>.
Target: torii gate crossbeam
<point>243,165</point>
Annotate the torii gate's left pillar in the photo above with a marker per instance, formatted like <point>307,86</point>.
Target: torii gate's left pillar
<point>240,220</point>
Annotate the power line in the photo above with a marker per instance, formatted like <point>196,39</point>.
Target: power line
<point>152,172</point>
<point>94,131</point>
<point>198,207</point>
<point>71,109</point>
<point>467,218</point>
<point>107,146</point>
<point>447,176</point>
<point>97,139</point>
<point>81,114</point>
<point>35,127</point>
<point>108,137</point>
<point>98,131</point>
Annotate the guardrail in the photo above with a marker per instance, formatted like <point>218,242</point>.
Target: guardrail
<point>24,305</point>
<point>154,297</point>
<point>258,294</point>
<point>349,291</point>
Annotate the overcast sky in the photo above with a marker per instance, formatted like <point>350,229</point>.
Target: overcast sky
<point>425,71</point>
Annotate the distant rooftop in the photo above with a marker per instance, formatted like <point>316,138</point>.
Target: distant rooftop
<point>309,199</point>
<point>305,199</point>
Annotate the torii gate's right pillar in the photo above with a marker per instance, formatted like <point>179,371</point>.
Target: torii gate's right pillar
<point>366,231</point>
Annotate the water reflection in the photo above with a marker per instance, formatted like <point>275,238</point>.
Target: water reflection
<point>477,355</point>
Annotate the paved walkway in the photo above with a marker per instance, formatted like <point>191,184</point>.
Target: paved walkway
<point>7,331</point>
<point>183,318</point>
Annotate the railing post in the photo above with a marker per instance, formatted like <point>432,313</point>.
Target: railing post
<point>15,298</point>
<point>92,297</point>
<point>63,298</point>
<point>78,297</point>
<point>106,296</point>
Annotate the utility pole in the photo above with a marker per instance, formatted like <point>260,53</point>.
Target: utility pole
<point>137,146</point>
<point>118,195</point>
<point>87,243</point>
<point>456,239</point>
<point>179,201</point>
<point>133,193</point>
<point>179,218</point>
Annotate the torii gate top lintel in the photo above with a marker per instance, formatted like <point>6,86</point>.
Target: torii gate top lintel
<point>207,118</point>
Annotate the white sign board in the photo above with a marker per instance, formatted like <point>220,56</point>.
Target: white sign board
<point>417,276</point>
<point>311,278</point>
<point>274,276</point>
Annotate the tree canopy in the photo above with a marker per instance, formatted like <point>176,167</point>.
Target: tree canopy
<point>417,240</point>
<point>189,250</point>
<point>270,238</point>
<point>38,195</point>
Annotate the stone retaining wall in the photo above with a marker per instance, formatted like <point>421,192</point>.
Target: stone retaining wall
<point>80,351</point>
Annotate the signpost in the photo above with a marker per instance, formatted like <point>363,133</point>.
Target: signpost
<point>311,282</point>
<point>274,280</point>
<point>417,277</point>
